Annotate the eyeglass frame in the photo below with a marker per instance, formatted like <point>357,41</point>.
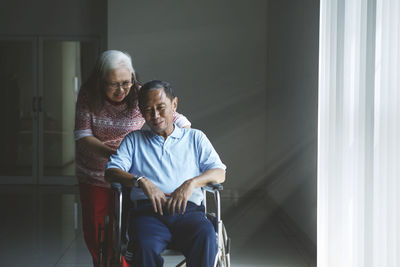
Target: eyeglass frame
<point>115,85</point>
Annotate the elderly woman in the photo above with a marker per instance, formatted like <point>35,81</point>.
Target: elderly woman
<point>106,111</point>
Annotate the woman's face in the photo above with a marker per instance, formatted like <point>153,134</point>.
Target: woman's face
<point>118,84</point>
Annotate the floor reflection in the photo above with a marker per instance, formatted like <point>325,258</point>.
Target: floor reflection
<point>41,226</point>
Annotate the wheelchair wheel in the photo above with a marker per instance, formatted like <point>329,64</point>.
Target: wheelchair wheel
<point>224,249</point>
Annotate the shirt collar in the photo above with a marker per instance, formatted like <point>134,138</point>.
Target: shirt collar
<point>176,133</point>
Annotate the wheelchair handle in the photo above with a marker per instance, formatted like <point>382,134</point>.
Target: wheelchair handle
<point>116,187</point>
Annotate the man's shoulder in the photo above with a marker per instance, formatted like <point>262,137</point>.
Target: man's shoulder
<point>141,133</point>
<point>193,132</point>
<point>195,135</point>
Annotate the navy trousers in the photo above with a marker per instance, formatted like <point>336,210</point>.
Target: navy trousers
<point>192,233</point>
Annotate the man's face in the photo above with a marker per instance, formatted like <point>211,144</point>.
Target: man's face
<point>158,111</point>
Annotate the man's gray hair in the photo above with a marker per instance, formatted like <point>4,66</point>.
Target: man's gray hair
<point>154,85</point>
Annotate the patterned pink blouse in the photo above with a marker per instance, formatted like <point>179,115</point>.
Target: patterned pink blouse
<point>110,126</point>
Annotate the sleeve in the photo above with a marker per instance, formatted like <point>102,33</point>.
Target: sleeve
<point>208,157</point>
<point>122,159</point>
<point>181,120</point>
<point>83,126</point>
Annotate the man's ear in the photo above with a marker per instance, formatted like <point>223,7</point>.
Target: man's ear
<point>175,103</point>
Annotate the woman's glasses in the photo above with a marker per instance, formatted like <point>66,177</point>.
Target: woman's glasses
<point>124,85</point>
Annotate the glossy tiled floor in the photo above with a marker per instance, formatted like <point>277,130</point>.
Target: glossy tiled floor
<point>40,227</point>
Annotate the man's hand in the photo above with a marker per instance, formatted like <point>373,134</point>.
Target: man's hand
<point>156,196</point>
<point>179,198</point>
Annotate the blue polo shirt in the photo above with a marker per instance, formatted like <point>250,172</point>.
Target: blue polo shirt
<point>168,163</point>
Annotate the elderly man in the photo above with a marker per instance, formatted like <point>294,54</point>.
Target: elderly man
<point>166,167</point>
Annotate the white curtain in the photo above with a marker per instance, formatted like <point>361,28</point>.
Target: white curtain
<point>358,134</point>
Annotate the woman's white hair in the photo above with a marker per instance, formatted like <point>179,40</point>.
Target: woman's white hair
<point>114,59</point>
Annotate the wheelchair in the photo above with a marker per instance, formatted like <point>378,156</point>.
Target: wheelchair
<point>119,237</point>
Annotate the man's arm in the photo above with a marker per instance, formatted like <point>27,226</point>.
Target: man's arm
<point>115,175</point>
<point>155,195</point>
<point>179,198</point>
<point>211,167</point>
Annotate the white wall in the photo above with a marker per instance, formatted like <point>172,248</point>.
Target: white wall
<point>293,29</point>
<point>246,74</point>
<point>214,55</point>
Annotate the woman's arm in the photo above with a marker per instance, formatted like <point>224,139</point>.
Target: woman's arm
<point>181,120</point>
<point>83,128</point>
<point>93,144</point>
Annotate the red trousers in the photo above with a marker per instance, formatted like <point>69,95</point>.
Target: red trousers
<point>96,202</point>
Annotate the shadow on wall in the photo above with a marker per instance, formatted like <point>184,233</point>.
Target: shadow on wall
<point>238,130</point>
<point>252,212</point>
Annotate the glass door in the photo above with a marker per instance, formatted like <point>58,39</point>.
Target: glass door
<point>41,78</point>
<point>18,87</point>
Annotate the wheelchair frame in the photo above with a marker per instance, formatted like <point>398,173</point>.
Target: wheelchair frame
<point>122,202</point>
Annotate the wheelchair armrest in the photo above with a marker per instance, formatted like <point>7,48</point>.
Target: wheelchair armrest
<point>211,187</point>
<point>120,191</point>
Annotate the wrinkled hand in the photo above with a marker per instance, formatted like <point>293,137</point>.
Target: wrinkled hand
<point>157,197</point>
<point>179,198</point>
